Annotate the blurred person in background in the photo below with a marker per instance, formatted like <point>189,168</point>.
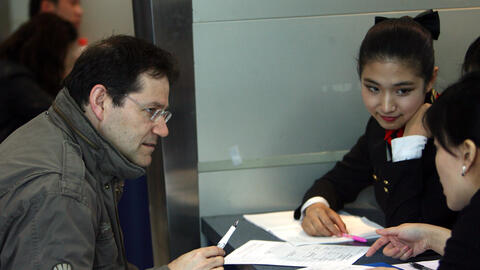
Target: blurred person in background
<point>70,10</point>
<point>32,65</point>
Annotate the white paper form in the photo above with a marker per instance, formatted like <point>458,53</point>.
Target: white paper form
<point>284,226</point>
<point>430,264</point>
<point>338,267</point>
<point>283,253</point>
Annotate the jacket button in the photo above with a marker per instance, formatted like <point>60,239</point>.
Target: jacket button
<point>107,186</point>
<point>385,189</point>
<point>374,177</point>
<point>386,182</point>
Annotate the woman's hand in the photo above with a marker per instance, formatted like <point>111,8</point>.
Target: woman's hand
<point>402,242</point>
<point>321,220</point>
<point>415,126</point>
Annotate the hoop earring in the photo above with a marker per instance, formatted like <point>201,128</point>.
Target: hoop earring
<point>464,170</point>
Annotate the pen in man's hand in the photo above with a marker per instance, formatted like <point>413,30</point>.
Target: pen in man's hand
<point>226,237</point>
<point>419,266</point>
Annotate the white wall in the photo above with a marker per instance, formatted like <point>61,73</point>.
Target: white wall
<point>278,77</point>
<point>103,18</point>
<point>18,13</point>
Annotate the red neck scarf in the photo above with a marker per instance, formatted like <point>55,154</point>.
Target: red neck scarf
<point>392,134</point>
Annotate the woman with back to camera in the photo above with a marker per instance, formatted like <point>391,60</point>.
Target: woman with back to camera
<point>397,72</point>
<point>32,65</point>
<point>454,122</point>
<point>471,61</point>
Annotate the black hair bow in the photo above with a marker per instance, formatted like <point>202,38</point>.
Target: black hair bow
<point>428,19</point>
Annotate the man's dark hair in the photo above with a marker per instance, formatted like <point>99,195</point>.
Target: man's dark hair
<point>34,6</point>
<point>117,63</point>
<point>41,45</point>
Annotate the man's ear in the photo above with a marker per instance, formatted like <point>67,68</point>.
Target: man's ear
<point>432,80</point>
<point>469,153</point>
<point>96,100</point>
<point>47,6</point>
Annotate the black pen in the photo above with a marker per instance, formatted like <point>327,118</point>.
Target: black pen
<point>226,237</point>
<point>419,266</point>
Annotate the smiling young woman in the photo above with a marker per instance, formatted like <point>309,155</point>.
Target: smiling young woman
<point>397,71</point>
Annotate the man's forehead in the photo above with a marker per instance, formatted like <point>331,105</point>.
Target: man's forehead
<point>155,91</point>
<point>146,79</point>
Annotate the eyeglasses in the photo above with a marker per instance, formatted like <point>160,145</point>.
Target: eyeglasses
<point>155,114</point>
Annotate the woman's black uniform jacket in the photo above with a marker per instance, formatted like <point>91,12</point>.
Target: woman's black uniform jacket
<point>463,247</point>
<point>407,191</point>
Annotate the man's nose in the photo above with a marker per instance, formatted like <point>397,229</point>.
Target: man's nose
<point>160,128</point>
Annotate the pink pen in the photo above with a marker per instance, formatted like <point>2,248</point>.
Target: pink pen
<point>355,238</point>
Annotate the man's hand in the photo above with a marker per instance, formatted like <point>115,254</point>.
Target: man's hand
<point>321,220</point>
<point>200,259</point>
<point>415,126</point>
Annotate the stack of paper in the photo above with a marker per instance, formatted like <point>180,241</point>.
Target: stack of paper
<point>284,226</point>
<point>282,253</point>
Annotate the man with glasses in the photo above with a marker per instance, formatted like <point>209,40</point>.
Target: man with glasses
<point>61,173</point>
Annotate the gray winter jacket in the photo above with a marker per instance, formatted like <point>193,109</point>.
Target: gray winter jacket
<point>59,182</point>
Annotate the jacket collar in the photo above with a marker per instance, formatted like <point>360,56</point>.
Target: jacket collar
<point>99,156</point>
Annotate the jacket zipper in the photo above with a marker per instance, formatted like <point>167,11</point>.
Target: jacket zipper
<point>119,228</point>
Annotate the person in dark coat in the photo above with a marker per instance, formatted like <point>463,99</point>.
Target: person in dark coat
<point>454,121</point>
<point>32,65</point>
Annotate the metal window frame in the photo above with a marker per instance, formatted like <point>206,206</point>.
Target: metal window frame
<point>173,176</point>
